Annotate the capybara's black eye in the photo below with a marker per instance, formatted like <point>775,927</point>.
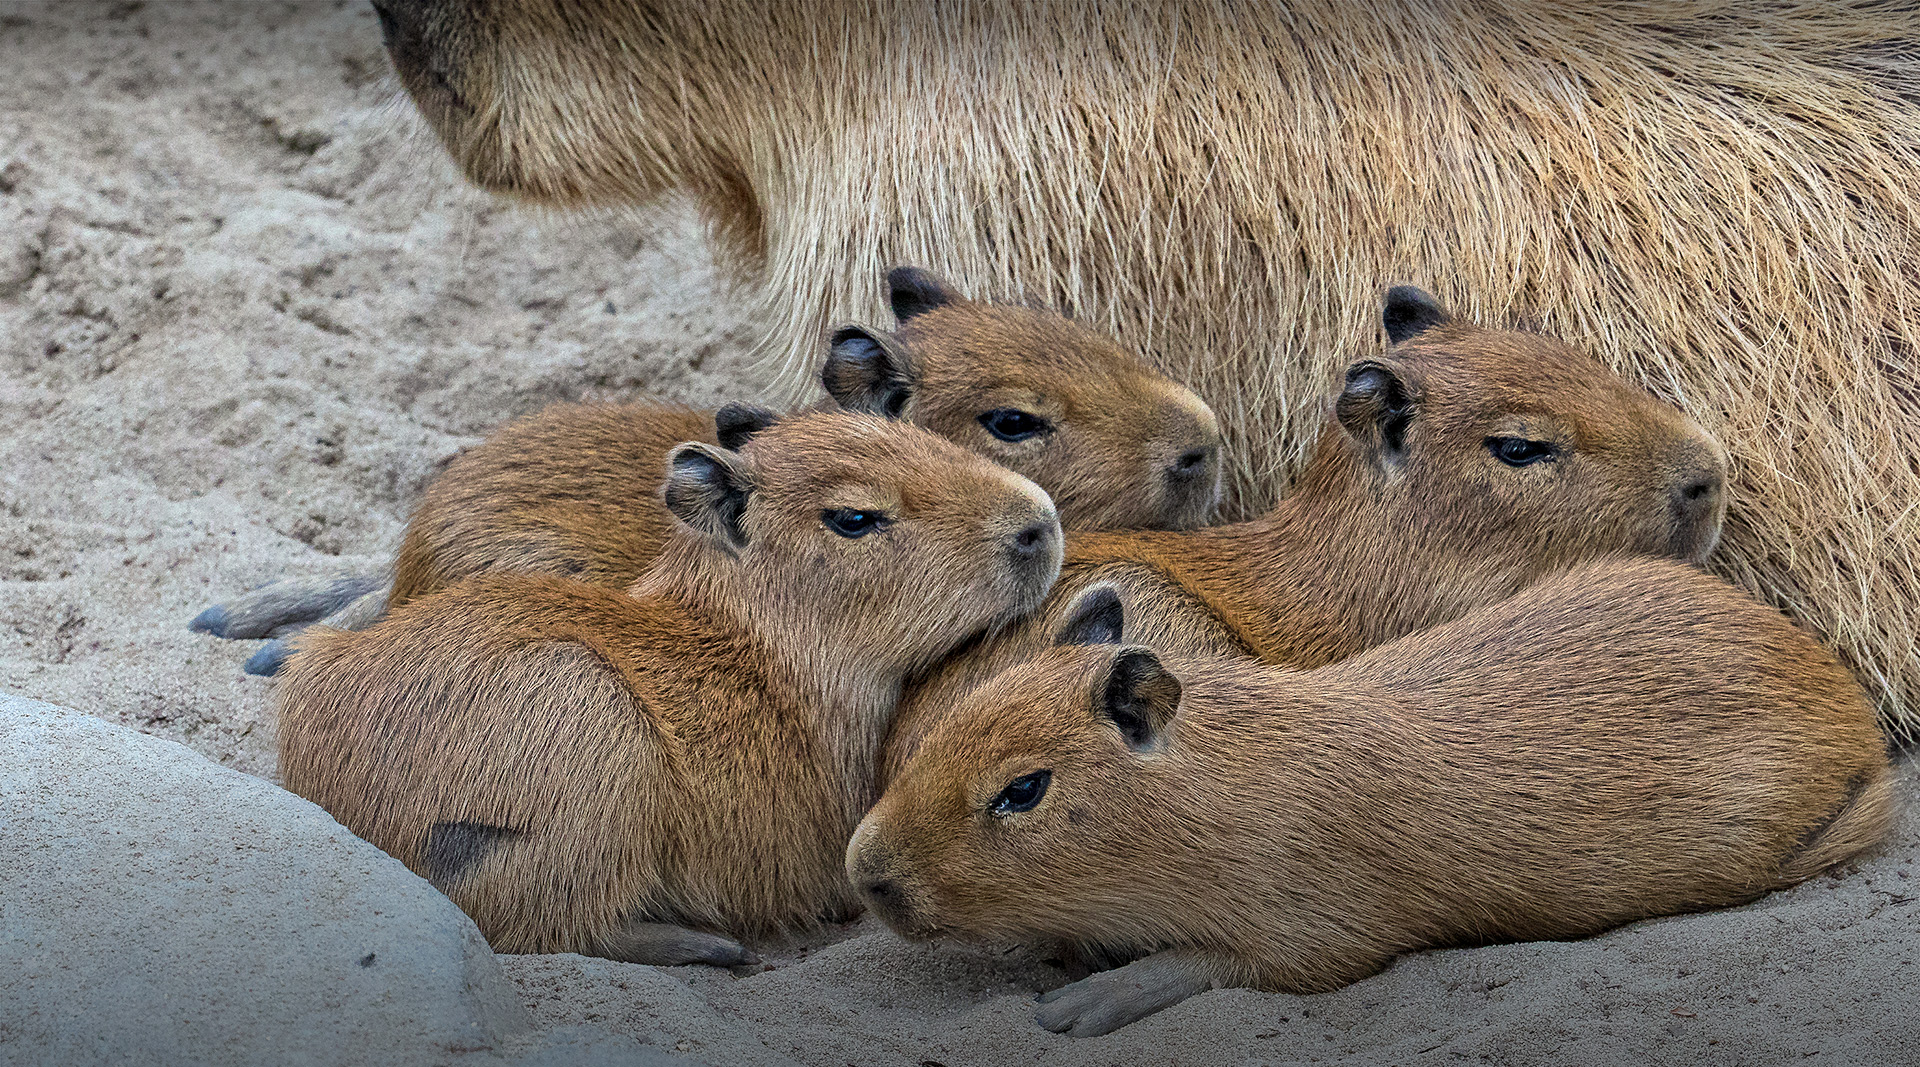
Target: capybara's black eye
<point>1011,424</point>
<point>1022,793</point>
<point>1520,452</point>
<point>848,522</point>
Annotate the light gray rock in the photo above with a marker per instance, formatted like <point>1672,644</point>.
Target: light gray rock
<point>157,908</point>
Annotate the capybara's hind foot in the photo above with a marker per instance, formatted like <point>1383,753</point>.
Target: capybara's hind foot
<point>667,945</point>
<point>356,615</point>
<point>282,606</point>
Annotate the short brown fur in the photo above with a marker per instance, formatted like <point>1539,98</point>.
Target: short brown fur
<point>588,770</point>
<point>1629,739</point>
<point>572,490</point>
<point>1377,542</point>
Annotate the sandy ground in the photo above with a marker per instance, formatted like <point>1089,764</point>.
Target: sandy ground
<point>245,310</point>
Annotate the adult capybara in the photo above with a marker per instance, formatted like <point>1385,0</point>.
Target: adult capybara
<point>1627,739</point>
<point>1722,200</point>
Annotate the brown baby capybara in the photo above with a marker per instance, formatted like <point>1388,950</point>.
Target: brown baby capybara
<point>571,490</point>
<point>1721,200</point>
<point>1452,471</point>
<point>650,774</point>
<point>1628,739</point>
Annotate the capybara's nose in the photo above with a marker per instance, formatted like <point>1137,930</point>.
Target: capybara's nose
<point>1034,540</point>
<point>1699,506</point>
<point>1192,488</point>
<point>414,33</point>
<point>1192,464</point>
<point>1698,494</point>
<point>886,898</point>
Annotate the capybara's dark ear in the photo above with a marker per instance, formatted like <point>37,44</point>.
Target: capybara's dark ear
<point>1140,696</point>
<point>1375,408</point>
<point>1411,311</point>
<point>1094,618</point>
<point>913,291</point>
<point>867,370</point>
<point>707,488</point>
<point>735,424</point>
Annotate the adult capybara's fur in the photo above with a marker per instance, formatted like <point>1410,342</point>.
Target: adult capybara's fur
<point>1628,739</point>
<point>634,774</point>
<point>1452,471</point>
<point>1723,200</point>
<point>573,489</point>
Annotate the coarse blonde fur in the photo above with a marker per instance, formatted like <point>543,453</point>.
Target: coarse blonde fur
<point>637,774</point>
<point>1722,200</point>
<point>1628,739</point>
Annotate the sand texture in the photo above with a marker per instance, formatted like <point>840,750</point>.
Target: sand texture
<point>246,309</point>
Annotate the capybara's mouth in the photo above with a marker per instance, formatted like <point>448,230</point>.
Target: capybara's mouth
<point>417,62</point>
<point>1194,505</point>
<point>1694,538</point>
<point>899,914</point>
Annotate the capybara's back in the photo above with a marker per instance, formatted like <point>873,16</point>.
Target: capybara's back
<point>573,490</point>
<point>1669,709</point>
<point>474,733</point>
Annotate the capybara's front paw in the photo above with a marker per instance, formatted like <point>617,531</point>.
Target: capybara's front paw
<point>668,945</point>
<point>1110,1000</point>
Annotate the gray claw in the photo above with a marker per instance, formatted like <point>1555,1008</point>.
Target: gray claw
<point>267,662</point>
